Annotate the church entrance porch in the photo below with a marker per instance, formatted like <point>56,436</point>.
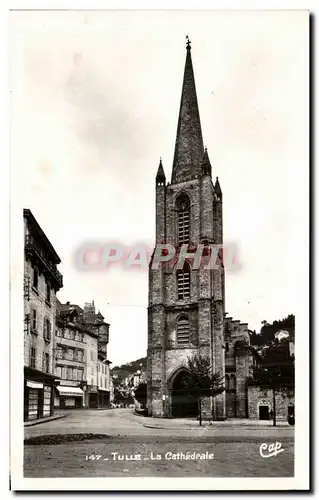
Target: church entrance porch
<point>183,404</point>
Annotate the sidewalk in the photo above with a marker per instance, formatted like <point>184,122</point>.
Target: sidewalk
<point>38,421</point>
<point>164,423</point>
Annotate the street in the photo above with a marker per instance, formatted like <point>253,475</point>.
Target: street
<point>130,445</point>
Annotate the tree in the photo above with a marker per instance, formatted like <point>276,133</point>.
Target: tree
<point>276,371</point>
<point>201,382</point>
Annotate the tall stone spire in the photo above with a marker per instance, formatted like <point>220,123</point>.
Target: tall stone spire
<point>189,147</point>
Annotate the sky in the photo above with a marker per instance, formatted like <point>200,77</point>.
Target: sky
<point>94,105</point>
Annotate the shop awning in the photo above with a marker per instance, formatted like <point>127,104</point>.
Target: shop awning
<point>34,385</point>
<point>64,390</point>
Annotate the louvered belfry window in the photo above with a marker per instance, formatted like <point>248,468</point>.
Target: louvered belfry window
<point>183,330</point>
<point>183,218</point>
<point>183,278</point>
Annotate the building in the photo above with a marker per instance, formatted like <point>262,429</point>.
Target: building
<point>98,325</point>
<point>281,335</point>
<point>41,282</point>
<point>261,405</point>
<point>100,392</point>
<point>81,361</point>
<point>104,387</point>
<point>70,358</point>
<point>261,399</point>
<point>91,357</point>
<point>186,313</point>
<point>136,379</point>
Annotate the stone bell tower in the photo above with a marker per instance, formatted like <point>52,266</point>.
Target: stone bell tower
<point>186,306</point>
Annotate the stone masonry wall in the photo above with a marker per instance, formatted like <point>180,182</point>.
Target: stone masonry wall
<point>257,396</point>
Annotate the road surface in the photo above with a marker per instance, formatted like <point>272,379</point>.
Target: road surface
<point>136,446</point>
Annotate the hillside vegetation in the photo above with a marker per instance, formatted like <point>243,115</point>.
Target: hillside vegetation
<point>130,368</point>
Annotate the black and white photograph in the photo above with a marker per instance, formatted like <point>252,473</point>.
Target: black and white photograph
<point>159,199</point>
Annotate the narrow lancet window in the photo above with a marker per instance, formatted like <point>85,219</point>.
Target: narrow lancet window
<point>183,277</point>
<point>183,219</point>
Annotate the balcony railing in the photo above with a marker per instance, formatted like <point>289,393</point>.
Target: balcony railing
<point>31,245</point>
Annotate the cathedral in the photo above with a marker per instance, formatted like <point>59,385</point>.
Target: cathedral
<point>186,310</point>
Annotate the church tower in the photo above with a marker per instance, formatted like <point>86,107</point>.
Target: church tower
<point>186,305</point>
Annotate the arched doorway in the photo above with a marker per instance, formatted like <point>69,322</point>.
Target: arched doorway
<point>264,412</point>
<point>264,409</point>
<point>183,405</point>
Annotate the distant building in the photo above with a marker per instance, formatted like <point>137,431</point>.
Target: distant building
<point>81,358</point>
<point>136,379</point>
<point>95,322</point>
<point>104,382</point>
<point>98,325</point>
<point>41,282</point>
<point>92,369</point>
<point>281,335</point>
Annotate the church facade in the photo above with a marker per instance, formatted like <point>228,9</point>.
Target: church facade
<point>186,312</point>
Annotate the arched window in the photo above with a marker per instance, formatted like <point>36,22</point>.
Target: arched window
<point>182,331</point>
<point>183,278</point>
<point>183,212</point>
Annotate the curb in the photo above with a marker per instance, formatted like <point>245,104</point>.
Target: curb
<point>31,424</point>
<point>149,426</point>
<point>211,427</point>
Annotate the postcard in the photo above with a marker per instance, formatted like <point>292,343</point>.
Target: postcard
<point>159,206</point>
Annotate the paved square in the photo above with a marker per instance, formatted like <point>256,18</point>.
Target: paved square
<point>135,446</point>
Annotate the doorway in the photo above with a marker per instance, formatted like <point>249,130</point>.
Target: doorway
<point>263,412</point>
<point>183,404</point>
<point>93,400</point>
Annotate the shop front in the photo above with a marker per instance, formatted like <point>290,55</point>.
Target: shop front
<point>69,397</point>
<point>104,399</point>
<point>38,395</point>
<point>93,397</point>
